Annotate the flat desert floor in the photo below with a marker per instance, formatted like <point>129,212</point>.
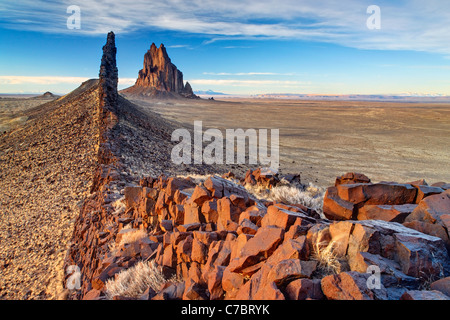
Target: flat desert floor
<point>387,141</point>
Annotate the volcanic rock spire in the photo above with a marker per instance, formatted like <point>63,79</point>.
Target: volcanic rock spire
<point>160,77</point>
<point>108,103</point>
<point>109,74</point>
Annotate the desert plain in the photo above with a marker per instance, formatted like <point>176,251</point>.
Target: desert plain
<point>387,141</point>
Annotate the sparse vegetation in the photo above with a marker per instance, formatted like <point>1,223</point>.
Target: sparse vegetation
<point>134,281</point>
<point>307,195</point>
<point>119,206</point>
<point>324,253</point>
<point>328,263</point>
<point>127,238</point>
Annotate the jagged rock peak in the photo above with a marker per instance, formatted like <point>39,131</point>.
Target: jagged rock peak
<point>108,72</point>
<point>188,92</point>
<point>159,72</point>
<point>159,76</point>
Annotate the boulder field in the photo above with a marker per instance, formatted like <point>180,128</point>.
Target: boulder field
<point>176,237</point>
<point>214,240</point>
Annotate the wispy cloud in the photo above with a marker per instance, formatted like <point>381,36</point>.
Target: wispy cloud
<point>237,47</point>
<point>405,25</point>
<point>51,80</point>
<point>176,46</point>
<point>249,83</point>
<point>248,74</point>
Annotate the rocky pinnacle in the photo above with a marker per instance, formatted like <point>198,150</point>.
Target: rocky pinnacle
<point>109,74</point>
<point>159,76</point>
<point>108,96</point>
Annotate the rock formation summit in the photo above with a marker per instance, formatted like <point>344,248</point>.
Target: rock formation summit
<point>159,77</point>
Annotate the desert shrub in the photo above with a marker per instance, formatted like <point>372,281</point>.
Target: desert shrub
<point>327,261</point>
<point>308,195</point>
<point>133,281</point>
<point>127,238</point>
<point>119,206</point>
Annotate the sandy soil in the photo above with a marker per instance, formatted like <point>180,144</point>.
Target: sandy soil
<point>12,111</point>
<point>322,139</point>
<point>46,168</point>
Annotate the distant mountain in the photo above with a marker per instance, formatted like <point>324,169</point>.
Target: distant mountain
<point>355,97</point>
<point>210,93</point>
<point>46,96</point>
<point>159,78</point>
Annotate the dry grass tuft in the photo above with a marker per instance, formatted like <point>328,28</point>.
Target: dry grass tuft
<point>134,281</point>
<point>127,238</point>
<point>328,262</point>
<point>308,195</point>
<point>119,206</point>
<point>196,178</point>
<point>132,236</point>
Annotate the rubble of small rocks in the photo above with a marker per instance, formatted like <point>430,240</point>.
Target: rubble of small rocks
<point>416,205</point>
<point>212,239</point>
<point>221,243</point>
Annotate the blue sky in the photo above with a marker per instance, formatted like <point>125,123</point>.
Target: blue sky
<point>239,47</point>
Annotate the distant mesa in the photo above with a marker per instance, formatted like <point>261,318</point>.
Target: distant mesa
<point>46,96</point>
<point>159,77</point>
<point>210,93</point>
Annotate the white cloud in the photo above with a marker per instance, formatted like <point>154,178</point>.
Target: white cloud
<point>405,25</point>
<point>176,46</point>
<point>43,80</point>
<point>248,74</point>
<point>51,80</point>
<point>248,83</point>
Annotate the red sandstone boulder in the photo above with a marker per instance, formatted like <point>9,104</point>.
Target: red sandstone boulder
<point>351,178</point>
<point>379,193</point>
<point>304,289</point>
<point>442,285</point>
<point>171,291</point>
<point>215,186</point>
<point>231,283</point>
<point>393,213</point>
<point>199,252</point>
<point>174,184</point>
<point>226,212</point>
<point>194,291</point>
<point>247,227</point>
<point>340,235</point>
<point>287,270</point>
<point>431,208</point>
<point>335,208</point>
<point>93,294</point>
<point>184,250</point>
<point>445,219</point>
<point>199,196</point>
<point>290,249</point>
<point>254,214</point>
<point>424,191</point>
<point>283,218</point>
<point>193,214</point>
<point>100,278</point>
<point>424,295</point>
<point>132,196</point>
<point>265,178</point>
<point>348,286</point>
<point>433,229</point>
<point>418,254</point>
<point>215,283</point>
<point>259,289</point>
<point>257,249</point>
<point>209,211</point>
